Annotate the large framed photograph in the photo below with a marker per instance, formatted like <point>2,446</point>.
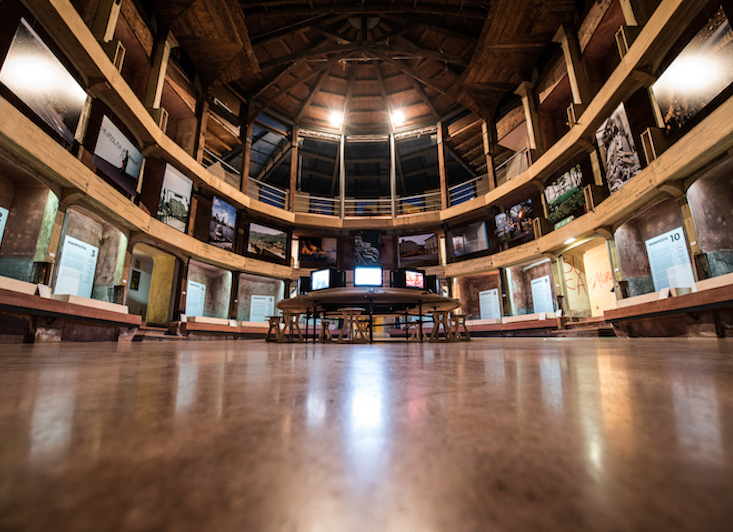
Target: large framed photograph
<point>617,143</point>
<point>175,199</point>
<point>222,224</point>
<point>117,157</point>
<point>698,74</point>
<point>418,250</point>
<point>469,239</point>
<point>35,75</point>
<point>367,248</point>
<point>564,195</point>
<point>318,251</point>
<point>516,223</point>
<point>266,242</point>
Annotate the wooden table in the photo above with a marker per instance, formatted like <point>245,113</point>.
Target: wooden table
<point>377,301</point>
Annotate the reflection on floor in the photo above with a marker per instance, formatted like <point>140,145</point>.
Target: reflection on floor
<point>496,434</point>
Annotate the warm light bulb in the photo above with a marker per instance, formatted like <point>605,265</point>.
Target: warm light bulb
<point>336,119</point>
<point>398,118</point>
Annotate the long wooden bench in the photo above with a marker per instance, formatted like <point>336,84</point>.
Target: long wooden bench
<point>529,327</point>
<point>31,318</point>
<point>703,313</point>
<point>207,331</point>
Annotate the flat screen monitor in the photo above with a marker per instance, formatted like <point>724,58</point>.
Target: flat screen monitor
<point>304,285</point>
<point>321,279</point>
<point>415,279</point>
<point>368,276</point>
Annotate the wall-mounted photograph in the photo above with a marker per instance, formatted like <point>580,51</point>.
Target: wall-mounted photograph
<point>617,142</point>
<point>469,239</point>
<point>564,196</point>
<point>367,248</point>
<point>418,250</point>
<point>318,250</point>
<point>222,224</point>
<point>267,242</point>
<point>175,199</point>
<point>515,223</point>
<point>698,74</point>
<point>35,75</point>
<point>117,157</point>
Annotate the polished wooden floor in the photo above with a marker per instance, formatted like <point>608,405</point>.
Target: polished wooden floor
<point>493,435</point>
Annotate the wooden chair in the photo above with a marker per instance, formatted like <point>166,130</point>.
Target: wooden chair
<point>291,327</point>
<point>457,321</point>
<point>441,317</point>
<point>274,325</point>
<point>353,325</point>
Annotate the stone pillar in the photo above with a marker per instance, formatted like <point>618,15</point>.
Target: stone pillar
<point>529,103</point>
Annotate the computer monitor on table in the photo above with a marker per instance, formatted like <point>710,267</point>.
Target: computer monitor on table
<point>409,278</point>
<point>367,276</point>
<point>326,278</point>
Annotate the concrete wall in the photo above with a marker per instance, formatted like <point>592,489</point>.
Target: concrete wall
<point>520,288</point>
<point>249,286</point>
<point>630,241</point>
<point>469,288</point>
<point>218,288</point>
<point>710,200</point>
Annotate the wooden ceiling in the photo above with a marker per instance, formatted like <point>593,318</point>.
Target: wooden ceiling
<point>430,59</point>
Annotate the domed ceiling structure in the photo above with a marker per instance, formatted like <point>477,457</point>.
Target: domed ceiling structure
<point>368,67</point>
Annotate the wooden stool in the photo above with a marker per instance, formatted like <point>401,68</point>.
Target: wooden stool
<point>352,324</point>
<point>325,334</point>
<point>412,331</point>
<point>440,317</point>
<point>458,321</point>
<point>291,326</point>
<point>274,324</point>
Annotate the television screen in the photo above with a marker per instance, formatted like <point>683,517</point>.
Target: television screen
<point>267,242</point>
<point>320,279</point>
<point>33,73</point>
<point>222,223</point>
<point>414,279</point>
<point>175,199</point>
<point>367,276</point>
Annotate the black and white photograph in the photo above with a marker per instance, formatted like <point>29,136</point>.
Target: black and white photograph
<point>615,138</point>
<point>175,199</point>
<point>267,242</point>
<point>703,70</point>
<point>35,75</point>
<point>221,224</point>
<point>367,248</point>
<point>418,250</point>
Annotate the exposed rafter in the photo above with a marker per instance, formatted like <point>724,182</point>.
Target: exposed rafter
<point>300,8</point>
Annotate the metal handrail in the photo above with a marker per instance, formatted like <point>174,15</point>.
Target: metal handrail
<point>267,193</point>
<point>502,171</point>
<point>426,202</point>
<point>383,207</point>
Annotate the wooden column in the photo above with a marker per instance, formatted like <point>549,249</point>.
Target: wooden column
<point>635,12</point>
<point>156,80</point>
<point>192,215</point>
<point>234,296</point>
<point>576,73</point>
<point>202,119</point>
<point>294,167</point>
<point>526,92</point>
<point>441,169</point>
<point>180,295</point>
<point>487,138</point>
<point>245,136</point>
<point>105,20</point>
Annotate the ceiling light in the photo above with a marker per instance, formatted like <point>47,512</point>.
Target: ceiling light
<point>336,119</point>
<point>569,241</point>
<point>398,118</point>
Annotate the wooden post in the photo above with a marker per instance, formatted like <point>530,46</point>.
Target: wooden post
<point>576,73</point>
<point>441,169</point>
<point>293,168</point>
<point>156,79</point>
<point>635,12</point>
<point>202,119</point>
<point>105,20</point>
<point>245,136</point>
<point>525,90</point>
<point>486,135</point>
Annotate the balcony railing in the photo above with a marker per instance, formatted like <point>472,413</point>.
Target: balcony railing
<point>429,201</point>
<point>512,167</point>
<point>266,193</point>
<point>368,207</point>
<point>224,170</point>
<point>468,190</point>
<point>317,204</point>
